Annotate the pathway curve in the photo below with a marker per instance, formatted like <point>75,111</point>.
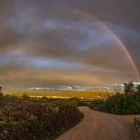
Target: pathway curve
<point>99,126</point>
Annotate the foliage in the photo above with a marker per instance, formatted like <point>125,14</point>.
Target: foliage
<point>97,104</point>
<point>122,104</point>
<point>138,89</point>
<point>129,88</point>
<point>1,94</point>
<point>27,118</point>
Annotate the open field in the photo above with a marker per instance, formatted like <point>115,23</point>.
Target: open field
<point>67,94</point>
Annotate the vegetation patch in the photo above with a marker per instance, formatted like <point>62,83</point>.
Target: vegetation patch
<point>120,104</point>
<point>33,119</point>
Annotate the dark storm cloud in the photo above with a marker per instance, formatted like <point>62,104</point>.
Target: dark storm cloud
<point>121,12</point>
<point>8,38</point>
<point>130,38</point>
<point>66,31</point>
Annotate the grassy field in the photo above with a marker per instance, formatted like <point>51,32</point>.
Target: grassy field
<point>67,94</point>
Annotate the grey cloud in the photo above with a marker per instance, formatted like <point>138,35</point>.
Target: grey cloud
<point>67,30</point>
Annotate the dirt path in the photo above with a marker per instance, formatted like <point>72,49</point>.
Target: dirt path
<point>99,126</point>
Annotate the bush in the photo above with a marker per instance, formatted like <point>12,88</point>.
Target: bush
<point>119,104</point>
<point>97,105</point>
<point>26,119</point>
<point>122,104</point>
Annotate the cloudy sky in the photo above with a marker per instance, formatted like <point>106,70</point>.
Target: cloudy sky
<point>68,42</point>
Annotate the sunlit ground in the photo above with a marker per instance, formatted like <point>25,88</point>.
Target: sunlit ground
<point>66,94</point>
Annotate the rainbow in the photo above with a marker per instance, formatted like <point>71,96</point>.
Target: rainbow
<point>121,44</point>
<point>124,48</point>
<point>128,55</point>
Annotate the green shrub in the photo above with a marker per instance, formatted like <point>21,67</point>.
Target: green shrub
<point>119,104</point>
<point>97,104</point>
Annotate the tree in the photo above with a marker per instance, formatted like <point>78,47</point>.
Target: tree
<point>129,88</point>
<point>138,89</point>
<point>1,94</point>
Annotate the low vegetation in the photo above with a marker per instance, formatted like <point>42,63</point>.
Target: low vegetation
<point>33,119</point>
<point>122,104</point>
<point>26,118</point>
